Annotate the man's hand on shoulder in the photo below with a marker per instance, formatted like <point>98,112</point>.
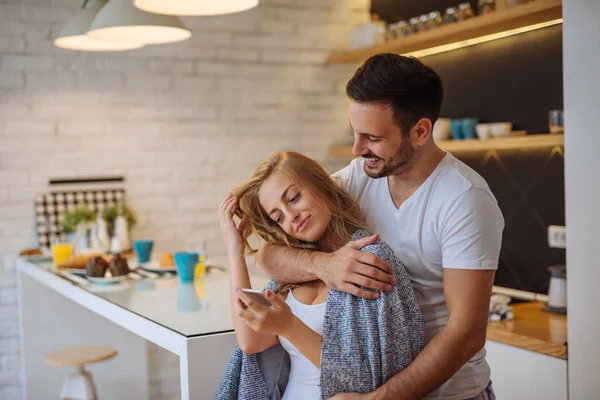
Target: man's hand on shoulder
<point>348,267</point>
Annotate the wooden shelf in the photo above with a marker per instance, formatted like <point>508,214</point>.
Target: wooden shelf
<point>453,146</point>
<point>536,12</point>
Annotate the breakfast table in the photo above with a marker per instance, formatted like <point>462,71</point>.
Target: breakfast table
<point>192,320</point>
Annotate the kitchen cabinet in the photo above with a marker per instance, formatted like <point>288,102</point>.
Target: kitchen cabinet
<point>519,374</point>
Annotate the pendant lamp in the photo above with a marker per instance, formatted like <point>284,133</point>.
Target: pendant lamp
<point>73,35</point>
<point>120,21</point>
<point>195,7</point>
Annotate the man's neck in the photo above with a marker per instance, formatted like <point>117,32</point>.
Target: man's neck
<point>403,185</point>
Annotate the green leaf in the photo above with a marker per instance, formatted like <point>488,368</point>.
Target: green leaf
<point>72,218</point>
<point>111,213</point>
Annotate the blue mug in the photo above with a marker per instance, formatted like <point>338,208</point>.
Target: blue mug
<point>143,250</point>
<point>456,126</point>
<point>468,128</point>
<point>185,262</point>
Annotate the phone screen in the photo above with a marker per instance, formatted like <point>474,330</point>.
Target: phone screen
<point>258,296</point>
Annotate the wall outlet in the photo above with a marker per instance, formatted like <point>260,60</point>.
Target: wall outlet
<point>557,236</point>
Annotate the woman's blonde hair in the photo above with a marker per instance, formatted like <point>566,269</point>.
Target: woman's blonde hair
<point>346,216</point>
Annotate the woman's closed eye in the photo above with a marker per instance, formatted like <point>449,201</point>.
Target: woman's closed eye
<point>279,218</point>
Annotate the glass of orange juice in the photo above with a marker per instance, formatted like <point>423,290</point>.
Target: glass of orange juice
<point>61,252</point>
<point>199,246</point>
<point>200,267</point>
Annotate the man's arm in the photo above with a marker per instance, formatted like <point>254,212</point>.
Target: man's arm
<point>467,295</point>
<point>341,270</point>
<point>274,259</point>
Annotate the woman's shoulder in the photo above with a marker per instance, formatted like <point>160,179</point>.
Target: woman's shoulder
<point>380,248</point>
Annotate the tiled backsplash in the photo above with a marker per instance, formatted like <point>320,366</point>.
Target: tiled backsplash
<point>529,186</point>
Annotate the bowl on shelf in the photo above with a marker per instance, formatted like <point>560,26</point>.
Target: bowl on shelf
<point>500,129</point>
<point>483,131</point>
<point>442,129</point>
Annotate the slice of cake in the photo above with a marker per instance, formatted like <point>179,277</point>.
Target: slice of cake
<point>96,267</point>
<point>118,265</point>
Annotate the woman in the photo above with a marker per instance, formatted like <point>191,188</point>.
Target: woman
<point>336,342</point>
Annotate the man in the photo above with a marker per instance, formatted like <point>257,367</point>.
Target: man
<point>437,214</point>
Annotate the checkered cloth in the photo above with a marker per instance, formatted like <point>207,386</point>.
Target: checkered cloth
<point>51,207</point>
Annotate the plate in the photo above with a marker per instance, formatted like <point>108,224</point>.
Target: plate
<point>76,271</point>
<point>107,279</point>
<point>38,258</point>
<point>154,266</point>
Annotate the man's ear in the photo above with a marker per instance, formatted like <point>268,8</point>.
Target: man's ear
<point>421,131</point>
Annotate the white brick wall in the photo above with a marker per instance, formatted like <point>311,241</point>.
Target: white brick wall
<point>183,122</point>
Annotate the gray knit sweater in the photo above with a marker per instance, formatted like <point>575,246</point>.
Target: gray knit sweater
<point>365,342</point>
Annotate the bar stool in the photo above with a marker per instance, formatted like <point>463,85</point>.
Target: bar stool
<point>79,385</point>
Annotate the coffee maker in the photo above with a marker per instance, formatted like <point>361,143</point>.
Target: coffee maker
<point>557,291</point>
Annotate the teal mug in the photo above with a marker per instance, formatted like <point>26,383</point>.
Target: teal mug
<point>456,127</point>
<point>468,128</point>
<point>143,250</point>
<point>185,262</point>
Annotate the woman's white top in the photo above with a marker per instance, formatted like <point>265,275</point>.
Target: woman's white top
<point>304,378</point>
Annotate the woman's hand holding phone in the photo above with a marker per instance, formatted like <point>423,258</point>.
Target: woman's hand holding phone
<point>275,319</point>
<point>258,296</point>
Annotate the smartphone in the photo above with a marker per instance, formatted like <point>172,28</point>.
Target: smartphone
<point>258,296</point>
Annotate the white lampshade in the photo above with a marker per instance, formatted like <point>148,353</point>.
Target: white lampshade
<point>120,21</point>
<point>195,7</point>
<point>73,34</point>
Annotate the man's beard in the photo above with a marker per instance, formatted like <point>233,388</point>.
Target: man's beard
<point>402,161</point>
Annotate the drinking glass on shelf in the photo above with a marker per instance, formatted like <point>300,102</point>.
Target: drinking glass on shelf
<point>486,6</point>
<point>423,23</point>
<point>465,11</point>
<point>414,24</point>
<point>392,32</point>
<point>406,28</point>
<point>450,15</point>
<point>435,19</point>
<point>556,122</point>
<point>199,246</point>
<point>61,252</point>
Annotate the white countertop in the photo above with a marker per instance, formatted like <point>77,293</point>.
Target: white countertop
<point>162,310</point>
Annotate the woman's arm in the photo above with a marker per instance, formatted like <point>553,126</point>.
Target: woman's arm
<point>248,340</point>
<point>278,319</point>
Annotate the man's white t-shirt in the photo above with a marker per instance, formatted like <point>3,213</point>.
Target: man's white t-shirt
<point>451,221</point>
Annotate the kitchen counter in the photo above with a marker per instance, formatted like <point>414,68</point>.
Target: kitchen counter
<point>532,329</point>
<point>191,320</point>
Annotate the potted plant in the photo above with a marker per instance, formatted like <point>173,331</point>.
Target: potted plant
<point>72,218</point>
<point>111,213</point>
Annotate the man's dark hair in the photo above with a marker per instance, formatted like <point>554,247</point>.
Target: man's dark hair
<point>413,89</point>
